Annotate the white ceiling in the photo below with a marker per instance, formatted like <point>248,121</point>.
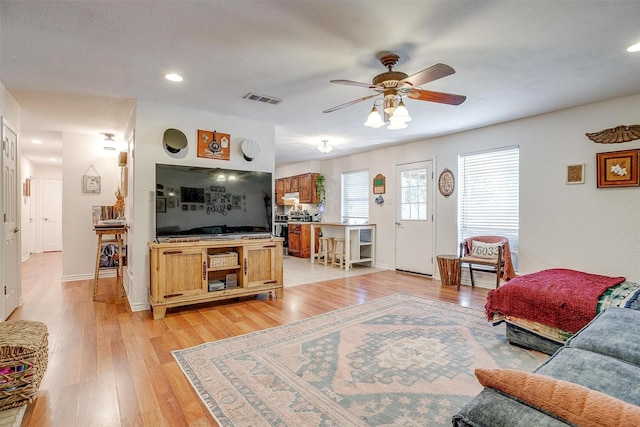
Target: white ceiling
<point>77,66</point>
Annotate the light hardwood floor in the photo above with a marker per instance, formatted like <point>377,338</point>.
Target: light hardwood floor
<point>109,366</point>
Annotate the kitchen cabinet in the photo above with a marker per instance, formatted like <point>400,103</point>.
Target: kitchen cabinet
<point>182,272</point>
<point>287,184</point>
<point>279,191</point>
<point>300,240</point>
<point>307,188</point>
<point>294,185</point>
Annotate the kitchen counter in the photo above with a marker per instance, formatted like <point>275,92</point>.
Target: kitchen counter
<point>359,241</point>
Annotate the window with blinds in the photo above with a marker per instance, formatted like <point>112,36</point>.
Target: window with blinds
<point>355,197</point>
<point>488,196</point>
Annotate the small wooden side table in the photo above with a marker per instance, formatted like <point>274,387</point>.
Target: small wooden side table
<point>449,266</point>
<point>114,236</point>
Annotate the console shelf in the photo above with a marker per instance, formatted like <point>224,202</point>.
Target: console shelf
<point>180,272</point>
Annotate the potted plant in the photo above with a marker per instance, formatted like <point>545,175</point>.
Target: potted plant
<point>320,191</point>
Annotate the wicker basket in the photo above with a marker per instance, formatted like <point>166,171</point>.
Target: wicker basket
<point>23,360</point>
<point>226,259</point>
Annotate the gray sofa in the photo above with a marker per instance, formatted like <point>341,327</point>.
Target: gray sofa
<point>603,356</point>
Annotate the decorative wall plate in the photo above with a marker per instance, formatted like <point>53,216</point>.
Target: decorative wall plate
<point>446,183</point>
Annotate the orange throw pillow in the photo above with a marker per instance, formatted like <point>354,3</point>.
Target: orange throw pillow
<point>574,403</point>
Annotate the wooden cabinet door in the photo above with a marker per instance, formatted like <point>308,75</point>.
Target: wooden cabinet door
<point>287,184</point>
<point>261,265</point>
<point>295,184</point>
<point>184,272</point>
<point>307,188</point>
<point>305,241</point>
<point>279,192</point>
<point>294,239</point>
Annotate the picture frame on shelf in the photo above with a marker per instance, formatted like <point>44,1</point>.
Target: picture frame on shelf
<point>575,174</point>
<point>618,168</point>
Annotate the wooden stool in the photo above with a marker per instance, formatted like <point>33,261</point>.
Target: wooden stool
<point>325,249</point>
<point>338,252</point>
<point>449,266</point>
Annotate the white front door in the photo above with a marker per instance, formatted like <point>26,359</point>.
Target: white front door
<point>52,215</point>
<point>10,263</point>
<point>414,217</point>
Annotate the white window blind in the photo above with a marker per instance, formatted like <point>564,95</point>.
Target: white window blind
<point>488,201</point>
<point>355,197</point>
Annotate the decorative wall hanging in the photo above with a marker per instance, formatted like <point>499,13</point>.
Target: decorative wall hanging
<point>446,182</point>
<point>91,183</point>
<point>250,149</point>
<point>618,134</point>
<point>174,140</point>
<point>618,168</point>
<point>214,145</point>
<point>575,174</point>
<point>379,184</point>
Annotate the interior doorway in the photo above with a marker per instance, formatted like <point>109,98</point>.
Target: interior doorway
<point>51,202</point>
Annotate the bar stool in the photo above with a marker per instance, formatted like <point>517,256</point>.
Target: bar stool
<point>338,252</point>
<point>325,249</point>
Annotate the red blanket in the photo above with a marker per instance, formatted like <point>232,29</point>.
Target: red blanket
<point>564,299</point>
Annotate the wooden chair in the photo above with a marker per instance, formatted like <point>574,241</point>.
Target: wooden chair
<point>485,258</point>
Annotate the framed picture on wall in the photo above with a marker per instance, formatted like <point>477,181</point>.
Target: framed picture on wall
<point>575,174</point>
<point>90,184</point>
<point>618,168</point>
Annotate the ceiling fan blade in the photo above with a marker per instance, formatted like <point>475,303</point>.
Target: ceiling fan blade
<point>427,75</point>
<point>352,83</point>
<point>355,101</point>
<point>441,97</point>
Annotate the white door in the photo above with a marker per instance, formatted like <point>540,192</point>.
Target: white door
<point>10,262</point>
<point>52,215</point>
<point>414,218</point>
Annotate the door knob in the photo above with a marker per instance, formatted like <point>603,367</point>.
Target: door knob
<point>16,229</point>
<point>398,223</point>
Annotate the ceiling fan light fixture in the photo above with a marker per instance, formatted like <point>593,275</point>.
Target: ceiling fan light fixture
<point>324,148</point>
<point>389,106</point>
<point>396,125</point>
<point>401,113</point>
<point>374,120</point>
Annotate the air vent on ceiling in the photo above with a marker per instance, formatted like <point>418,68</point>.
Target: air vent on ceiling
<point>263,98</point>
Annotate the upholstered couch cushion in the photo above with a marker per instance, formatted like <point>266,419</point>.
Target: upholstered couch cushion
<point>491,408</point>
<point>613,324</point>
<point>574,403</point>
<point>596,371</point>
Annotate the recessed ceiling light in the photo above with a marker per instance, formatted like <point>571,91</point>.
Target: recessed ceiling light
<point>634,48</point>
<point>36,141</point>
<point>172,77</point>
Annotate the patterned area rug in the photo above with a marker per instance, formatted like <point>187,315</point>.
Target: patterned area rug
<point>396,361</point>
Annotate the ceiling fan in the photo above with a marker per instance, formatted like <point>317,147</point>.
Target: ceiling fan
<point>394,85</point>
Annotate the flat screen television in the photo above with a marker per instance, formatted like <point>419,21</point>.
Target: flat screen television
<point>208,202</point>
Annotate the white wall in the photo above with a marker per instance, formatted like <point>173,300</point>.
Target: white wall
<point>79,240</point>
<point>151,120</point>
<point>570,226</point>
